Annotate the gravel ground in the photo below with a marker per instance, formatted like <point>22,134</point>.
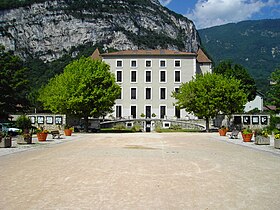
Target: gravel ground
<point>36,144</point>
<point>141,171</point>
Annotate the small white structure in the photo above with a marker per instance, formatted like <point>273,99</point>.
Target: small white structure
<point>256,103</point>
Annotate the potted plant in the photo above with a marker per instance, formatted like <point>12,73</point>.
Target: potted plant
<point>223,131</point>
<point>5,140</point>
<point>68,130</point>
<point>42,134</point>
<point>154,115</point>
<point>24,138</point>
<point>142,115</point>
<point>261,137</point>
<point>277,141</point>
<point>247,134</point>
<point>24,123</point>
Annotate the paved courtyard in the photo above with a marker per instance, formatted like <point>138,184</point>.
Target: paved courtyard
<point>141,171</point>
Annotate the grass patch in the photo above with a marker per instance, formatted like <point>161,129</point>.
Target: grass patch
<point>111,130</point>
<point>177,130</point>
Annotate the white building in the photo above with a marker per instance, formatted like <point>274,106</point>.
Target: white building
<point>257,103</point>
<point>148,78</point>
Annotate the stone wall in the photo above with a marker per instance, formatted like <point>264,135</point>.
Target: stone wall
<point>47,121</point>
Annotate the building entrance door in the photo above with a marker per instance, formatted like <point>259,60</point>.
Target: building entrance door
<point>148,126</point>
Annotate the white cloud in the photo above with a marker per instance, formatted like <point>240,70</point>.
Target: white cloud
<point>209,13</point>
<point>165,2</point>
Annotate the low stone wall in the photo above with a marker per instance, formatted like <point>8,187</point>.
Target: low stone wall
<point>45,120</point>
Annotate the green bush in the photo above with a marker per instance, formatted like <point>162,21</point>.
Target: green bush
<point>274,120</point>
<point>23,122</point>
<point>136,128</point>
<point>119,126</point>
<point>175,127</point>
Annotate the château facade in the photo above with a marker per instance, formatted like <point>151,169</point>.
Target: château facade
<point>148,77</point>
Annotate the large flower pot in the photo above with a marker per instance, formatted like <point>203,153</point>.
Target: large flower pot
<point>277,143</point>
<point>222,132</point>
<point>6,141</point>
<point>261,140</point>
<point>67,132</point>
<point>42,136</point>
<point>247,137</point>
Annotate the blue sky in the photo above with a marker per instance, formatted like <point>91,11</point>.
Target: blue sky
<point>207,13</point>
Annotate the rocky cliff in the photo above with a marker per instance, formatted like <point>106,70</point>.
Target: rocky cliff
<point>50,29</point>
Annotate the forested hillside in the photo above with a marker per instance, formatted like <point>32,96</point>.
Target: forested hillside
<point>253,44</point>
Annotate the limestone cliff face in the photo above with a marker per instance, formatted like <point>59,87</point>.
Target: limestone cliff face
<point>49,30</point>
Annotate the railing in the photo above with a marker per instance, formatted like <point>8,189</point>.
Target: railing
<point>187,124</point>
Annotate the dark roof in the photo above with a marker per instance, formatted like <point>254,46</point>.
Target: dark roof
<point>148,52</point>
<point>96,54</point>
<point>260,93</point>
<point>269,107</point>
<point>202,57</point>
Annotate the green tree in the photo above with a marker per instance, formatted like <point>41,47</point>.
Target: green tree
<point>274,92</point>
<point>14,85</point>
<point>85,88</point>
<point>208,94</point>
<point>237,71</point>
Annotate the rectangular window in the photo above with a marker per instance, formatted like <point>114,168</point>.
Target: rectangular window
<point>148,111</point>
<point>177,63</point>
<point>176,90</point>
<point>133,75</point>
<point>177,76</point>
<point>133,63</point>
<point>148,76</point>
<point>133,93</point>
<point>162,76</point>
<point>148,93</point>
<point>118,111</point>
<point>119,63</point>
<point>162,112</point>
<point>177,112</point>
<point>133,111</point>
<point>119,76</point>
<point>148,63</point>
<point>162,93</point>
<point>162,63</point>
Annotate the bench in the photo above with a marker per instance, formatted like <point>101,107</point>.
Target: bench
<point>55,133</point>
<point>234,134</point>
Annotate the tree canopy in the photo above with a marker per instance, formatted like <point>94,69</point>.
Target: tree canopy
<point>208,94</point>
<point>14,84</point>
<point>237,71</point>
<point>274,92</point>
<point>85,88</point>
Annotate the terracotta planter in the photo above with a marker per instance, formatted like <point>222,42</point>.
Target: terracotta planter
<point>261,140</point>
<point>6,142</point>
<point>247,137</point>
<point>67,132</point>
<point>277,143</point>
<point>222,132</point>
<point>42,136</point>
